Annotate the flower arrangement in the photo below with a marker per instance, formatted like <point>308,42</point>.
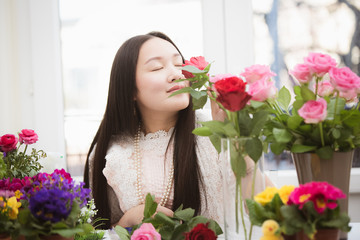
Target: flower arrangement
<point>183,225</point>
<point>14,162</point>
<point>309,207</point>
<point>50,204</point>
<point>324,117</point>
<point>245,116</point>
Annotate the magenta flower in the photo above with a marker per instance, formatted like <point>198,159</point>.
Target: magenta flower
<point>322,194</point>
<point>8,142</point>
<point>28,136</point>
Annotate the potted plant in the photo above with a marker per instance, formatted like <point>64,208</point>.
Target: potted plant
<point>310,211</point>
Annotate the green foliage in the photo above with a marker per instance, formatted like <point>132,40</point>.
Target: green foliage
<point>308,219</point>
<point>286,130</point>
<point>170,228</point>
<point>18,164</point>
<point>32,228</point>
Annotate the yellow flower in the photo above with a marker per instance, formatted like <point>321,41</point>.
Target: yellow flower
<point>266,196</point>
<point>18,194</point>
<point>270,229</point>
<point>285,191</point>
<point>14,205</point>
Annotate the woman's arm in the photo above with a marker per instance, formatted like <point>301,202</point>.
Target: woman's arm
<point>135,215</point>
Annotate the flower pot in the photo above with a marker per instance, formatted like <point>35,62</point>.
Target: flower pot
<point>336,171</point>
<point>56,237</point>
<point>321,234</point>
<point>235,193</point>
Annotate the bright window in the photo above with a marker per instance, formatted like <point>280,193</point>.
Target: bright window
<point>91,33</point>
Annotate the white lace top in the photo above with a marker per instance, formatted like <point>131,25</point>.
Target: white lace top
<point>120,170</point>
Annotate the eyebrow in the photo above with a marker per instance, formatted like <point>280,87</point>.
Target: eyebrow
<point>159,58</point>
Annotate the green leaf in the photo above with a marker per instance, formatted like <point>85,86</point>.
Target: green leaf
<point>150,206</point>
<point>202,131</point>
<point>284,98</point>
<point>325,152</point>
<point>197,94</point>
<point>297,105</point>
<point>277,148</point>
<point>294,122</point>
<point>258,122</point>
<point>298,148</point>
<point>282,135</point>
<point>307,94</point>
<point>199,103</point>
<point>192,69</point>
<point>237,162</point>
<point>179,231</point>
<point>216,142</point>
<point>244,123</point>
<point>161,217</point>
<point>256,104</point>
<point>297,91</point>
<point>70,232</point>
<point>230,130</point>
<point>257,212</point>
<point>336,133</point>
<point>185,214</point>
<point>216,127</point>
<point>182,90</point>
<point>253,148</point>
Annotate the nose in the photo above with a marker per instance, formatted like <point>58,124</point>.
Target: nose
<point>175,75</point>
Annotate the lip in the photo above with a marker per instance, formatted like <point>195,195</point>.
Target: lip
<point>175,88</point>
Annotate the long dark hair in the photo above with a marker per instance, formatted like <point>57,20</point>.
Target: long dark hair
<point>122,117</point>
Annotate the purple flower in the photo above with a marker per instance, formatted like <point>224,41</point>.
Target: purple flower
<point>51,205</point>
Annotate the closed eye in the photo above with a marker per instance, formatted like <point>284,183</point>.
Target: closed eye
<point>157,69</point>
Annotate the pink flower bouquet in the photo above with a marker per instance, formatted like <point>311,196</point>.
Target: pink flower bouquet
<point>14,161</point>
<point>325,114</point>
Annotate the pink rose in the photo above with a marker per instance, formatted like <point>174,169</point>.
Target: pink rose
<point>325,88</point>
<point>343,79</point>
<point>302,73</point>
<point>319,63</point>
<point>257,72</point>
<point>8,142</point>
<point>313,111</point>
<point>218,77</point>
<point>262,90</point>
<point>146,232</point>
<point>28,136</point>
<point>350,96</point>
<point>198,62</point>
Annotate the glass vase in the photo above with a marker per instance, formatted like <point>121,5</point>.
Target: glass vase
<point>242,179</point>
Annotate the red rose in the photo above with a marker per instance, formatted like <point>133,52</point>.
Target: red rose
<point>231,93</point>
<point>200,232</point>
<point>198,62</point>
<point>28,136</point>
<point>8,142</point>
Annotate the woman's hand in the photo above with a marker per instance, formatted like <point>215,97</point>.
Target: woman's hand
<point>135,215</point>
<point>216,112</point>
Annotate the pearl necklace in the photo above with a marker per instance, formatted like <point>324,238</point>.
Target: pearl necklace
<point>138,185</point>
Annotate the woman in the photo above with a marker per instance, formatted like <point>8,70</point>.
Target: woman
<point>145,141</point>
